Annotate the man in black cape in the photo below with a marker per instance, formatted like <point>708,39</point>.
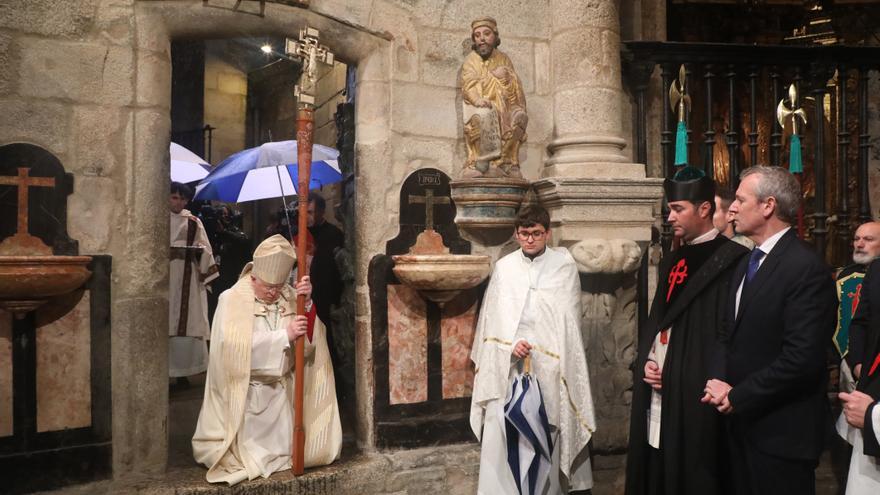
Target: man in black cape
<point>673,445</point>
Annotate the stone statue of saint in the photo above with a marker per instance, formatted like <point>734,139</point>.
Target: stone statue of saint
<point>494,106</point>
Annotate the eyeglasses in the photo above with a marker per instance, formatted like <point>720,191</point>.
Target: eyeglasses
<point>535,234</point>
<point>269,287</point>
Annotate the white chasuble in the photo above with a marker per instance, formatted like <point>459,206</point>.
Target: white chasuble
<point>538,301</point>
<point>245,427</point>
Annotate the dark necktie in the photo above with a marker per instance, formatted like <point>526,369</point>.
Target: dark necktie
<point>754,263</point>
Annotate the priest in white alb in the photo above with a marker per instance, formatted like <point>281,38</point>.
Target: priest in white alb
<point>532,308</point>
<point>192,269</point>
<point>245,427</point>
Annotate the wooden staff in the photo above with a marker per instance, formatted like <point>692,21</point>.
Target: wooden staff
<point>304,133</point>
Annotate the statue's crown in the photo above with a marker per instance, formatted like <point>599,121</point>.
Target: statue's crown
<point>485,22</point>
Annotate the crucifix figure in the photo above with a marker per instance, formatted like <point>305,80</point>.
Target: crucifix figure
<point>311,52</point>
<point>429,200</point>
<point>24,181</point>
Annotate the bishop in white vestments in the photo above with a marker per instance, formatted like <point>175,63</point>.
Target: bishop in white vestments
<point>245,427</point>
<point>192,269</point>
<point>532,307</point>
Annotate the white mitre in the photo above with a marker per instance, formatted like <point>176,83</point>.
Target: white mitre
<point>273,260</point>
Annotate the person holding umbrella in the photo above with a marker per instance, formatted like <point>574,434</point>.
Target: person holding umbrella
<point>532,309</point>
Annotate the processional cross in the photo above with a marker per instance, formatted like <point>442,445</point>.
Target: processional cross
<point>308,49</point>
<point>24,182</point>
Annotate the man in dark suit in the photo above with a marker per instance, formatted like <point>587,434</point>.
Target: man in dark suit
<point>772,379</point>
<point>861,407</point>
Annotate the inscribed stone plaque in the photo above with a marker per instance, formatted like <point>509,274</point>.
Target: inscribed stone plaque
<point>47,206</point>
<point>415,215</point>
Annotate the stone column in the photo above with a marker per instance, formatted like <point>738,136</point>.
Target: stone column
<point>593,188</point>
<point>587,92</point>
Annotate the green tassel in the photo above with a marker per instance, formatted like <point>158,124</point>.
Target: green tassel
<point>681,150</point>
<point>795,162</point>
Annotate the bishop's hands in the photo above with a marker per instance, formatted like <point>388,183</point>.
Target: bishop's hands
<point>716,394</point>
<point>299,325</point>
<point>855,405</point>
<point>304,288</point>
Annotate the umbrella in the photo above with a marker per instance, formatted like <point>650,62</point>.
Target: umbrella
<point>529,445</point>
<point>187,166</point>
<point>267,171</point>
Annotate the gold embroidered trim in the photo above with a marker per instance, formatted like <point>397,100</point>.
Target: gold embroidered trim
<point>574,407</point>
<point>534,347</point>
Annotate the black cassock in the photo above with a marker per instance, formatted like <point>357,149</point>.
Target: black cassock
<point>693,304</point>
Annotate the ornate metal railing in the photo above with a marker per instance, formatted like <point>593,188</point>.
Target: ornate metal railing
<point>739,87</point>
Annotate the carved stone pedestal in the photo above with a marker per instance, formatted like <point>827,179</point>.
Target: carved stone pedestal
<point>486,207</point>
<point>583,208</point>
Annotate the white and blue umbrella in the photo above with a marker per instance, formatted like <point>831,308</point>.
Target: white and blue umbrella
<point>187,166</point>
<point>529,444</point>
<point>267,171</point>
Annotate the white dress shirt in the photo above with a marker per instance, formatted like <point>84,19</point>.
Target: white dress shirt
<point>766,246</point>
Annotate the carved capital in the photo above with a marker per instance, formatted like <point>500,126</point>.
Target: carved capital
<point>606,255</point>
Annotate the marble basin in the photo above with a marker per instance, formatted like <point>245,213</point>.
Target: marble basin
<point>440,277</point>
<point>27,282</point>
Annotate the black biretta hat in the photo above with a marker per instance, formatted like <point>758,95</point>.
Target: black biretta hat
<point>689,184</point>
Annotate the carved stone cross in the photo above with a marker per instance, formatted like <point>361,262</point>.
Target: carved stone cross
<point>429,200</point>
<point>310,52</point>
<point>25,181</point>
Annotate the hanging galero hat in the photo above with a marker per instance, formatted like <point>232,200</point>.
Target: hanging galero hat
<point>689,184</point>
<point>273,260</point>
<point>484,22</point>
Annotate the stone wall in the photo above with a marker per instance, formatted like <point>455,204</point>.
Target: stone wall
<point>74,81</point>
<point>225,106</point>
<point>331,87</point>
<point>90,81</point>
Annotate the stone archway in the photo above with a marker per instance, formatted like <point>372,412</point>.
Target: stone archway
<point>140,397</point>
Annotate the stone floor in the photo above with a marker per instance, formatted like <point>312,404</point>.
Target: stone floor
<point>443,470</point>
<point>426,471</point>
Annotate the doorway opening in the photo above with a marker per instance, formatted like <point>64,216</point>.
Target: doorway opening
<point>238,93</point>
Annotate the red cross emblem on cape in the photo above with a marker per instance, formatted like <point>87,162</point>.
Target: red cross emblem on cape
<point>677,275</point>
<point>874,366</point>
